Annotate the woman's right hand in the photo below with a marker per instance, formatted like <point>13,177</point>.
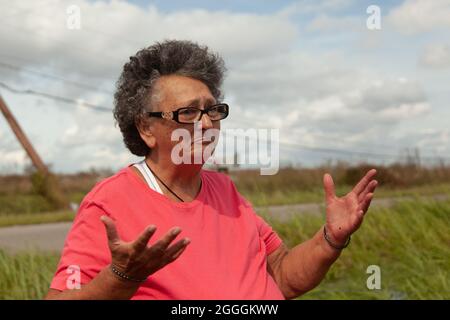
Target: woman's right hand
<point>138,260</point>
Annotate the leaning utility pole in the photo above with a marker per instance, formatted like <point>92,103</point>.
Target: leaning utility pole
<point>26,144</point>
<point>48,184</point>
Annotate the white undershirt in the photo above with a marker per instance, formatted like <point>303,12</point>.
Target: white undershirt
<point>148,176</point>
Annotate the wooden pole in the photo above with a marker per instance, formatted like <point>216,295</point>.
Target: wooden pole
<point>26,144</point>
<point>45,182</point>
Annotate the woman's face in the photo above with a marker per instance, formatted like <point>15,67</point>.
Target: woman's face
<point>171,93</point>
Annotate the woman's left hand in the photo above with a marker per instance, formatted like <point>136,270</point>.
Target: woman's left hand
<point>344,215</point>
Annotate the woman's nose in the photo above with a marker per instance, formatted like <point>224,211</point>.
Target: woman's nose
<point>206,122</point>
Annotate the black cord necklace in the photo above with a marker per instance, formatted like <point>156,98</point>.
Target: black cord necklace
<point>163,182</point>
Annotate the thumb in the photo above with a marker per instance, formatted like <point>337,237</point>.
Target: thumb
<point>111,231</point>
<point>328,186</point>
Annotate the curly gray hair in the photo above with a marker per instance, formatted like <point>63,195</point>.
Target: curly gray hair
<point>134,87</point>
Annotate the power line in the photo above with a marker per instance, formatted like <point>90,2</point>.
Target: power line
<point>34,62</point>
<point>56,98</point>
<point>315,135</point>
<point>346,152</point>
<point>285,144</point>
<point>90,30</point>
<point>52,77</point>
<point>356,153</point>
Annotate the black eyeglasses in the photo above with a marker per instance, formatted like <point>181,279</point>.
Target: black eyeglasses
<point>191,114</point>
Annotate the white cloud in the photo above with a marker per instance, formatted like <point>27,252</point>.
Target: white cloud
<point>275,79</point>
<point>12,160</point>
<point>417,16</point>
<point>112,31</point>
<point>103,158</point>
<point>324,22</point>
<point>387,94</point>
<point>432,141</point>
<point>436,56</point>
<point>315,6</point>
<point>405,111</point>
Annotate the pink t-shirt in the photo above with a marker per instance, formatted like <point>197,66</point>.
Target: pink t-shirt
<point>226,258</point>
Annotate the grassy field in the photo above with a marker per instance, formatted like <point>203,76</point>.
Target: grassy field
<point>7,220</point>
<point>21,203</point>
<point>261,198</point>
<point>26,275</point>
<point>410,242</point>
<point>35,215</point>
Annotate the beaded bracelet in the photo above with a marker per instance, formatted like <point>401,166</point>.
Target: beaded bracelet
<point>335,246</point>
<point>123,275</point>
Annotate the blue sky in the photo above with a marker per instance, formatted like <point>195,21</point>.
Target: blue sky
<point>311,69</point>
<point>253,6</point>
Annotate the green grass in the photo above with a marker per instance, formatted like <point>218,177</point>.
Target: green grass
<point>410,242</point>
<point>29,203</point>
<point>26,275</point>
<point>279,196</point>
<point>23,203</point>
<point>28,208</point>
<point>7,220</point>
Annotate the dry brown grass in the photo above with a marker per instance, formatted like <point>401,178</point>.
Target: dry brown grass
<point>393,176</point>
<point>290,185</point>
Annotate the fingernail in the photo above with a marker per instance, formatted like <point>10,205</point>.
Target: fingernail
<point>187,240</point>
<point>176,230</point>
<point>151,228</point>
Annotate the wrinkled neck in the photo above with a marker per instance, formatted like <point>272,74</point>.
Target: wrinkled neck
<point>182,176</point>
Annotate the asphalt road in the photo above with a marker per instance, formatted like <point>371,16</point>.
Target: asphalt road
<point>48,237</point>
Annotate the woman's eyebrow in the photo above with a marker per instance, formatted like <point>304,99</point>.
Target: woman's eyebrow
<point>196,102</point>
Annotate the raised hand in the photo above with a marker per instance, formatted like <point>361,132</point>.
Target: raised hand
<point>138,260</point>
<point>344,215</point>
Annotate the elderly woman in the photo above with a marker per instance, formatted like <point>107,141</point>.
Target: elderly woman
<point>177,231</point>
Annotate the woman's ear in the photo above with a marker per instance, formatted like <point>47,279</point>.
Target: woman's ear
<point>145,131</point>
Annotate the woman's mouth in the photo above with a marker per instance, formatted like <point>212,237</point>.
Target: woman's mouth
<point>201,141</point>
